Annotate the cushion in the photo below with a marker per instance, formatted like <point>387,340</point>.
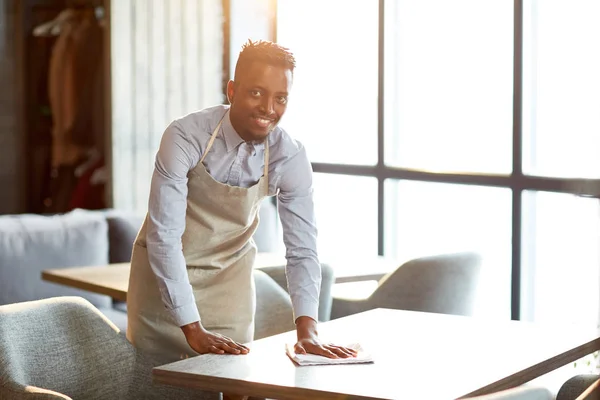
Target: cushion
<point>273,308</point>
<point>123,227</point>
<point>32,243</point>
<point>278,274</point>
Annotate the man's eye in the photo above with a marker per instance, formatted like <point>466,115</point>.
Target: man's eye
<point>254,93</point>
<point>282,99</point>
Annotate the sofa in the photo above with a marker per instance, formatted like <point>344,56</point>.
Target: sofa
<point>31,243</point>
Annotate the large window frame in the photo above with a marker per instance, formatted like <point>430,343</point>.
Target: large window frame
<point>517,181</point>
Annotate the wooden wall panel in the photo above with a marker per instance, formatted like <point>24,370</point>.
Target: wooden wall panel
<point>11,169</point>
<point>122,70</point>
<point>166,62</point>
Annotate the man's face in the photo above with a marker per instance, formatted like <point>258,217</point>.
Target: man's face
<point>259,99</point>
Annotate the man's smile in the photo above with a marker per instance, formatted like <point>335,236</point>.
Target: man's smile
<point>263,122</point>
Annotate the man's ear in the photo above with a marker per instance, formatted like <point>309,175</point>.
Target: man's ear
<point>230,91</point>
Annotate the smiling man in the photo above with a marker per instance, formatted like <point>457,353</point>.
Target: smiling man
<point>190,288</point>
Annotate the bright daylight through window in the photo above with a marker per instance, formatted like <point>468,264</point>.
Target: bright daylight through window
<point>451,74</point>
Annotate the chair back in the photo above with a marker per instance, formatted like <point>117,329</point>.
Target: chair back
<point>66,345</point>
<point>273,307</point>
<point>445,283</point>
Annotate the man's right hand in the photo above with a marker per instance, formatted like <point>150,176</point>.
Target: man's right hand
<point>203,341</point>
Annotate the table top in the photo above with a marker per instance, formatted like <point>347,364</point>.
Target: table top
<point>113,279</point>
<point>347,269</point>
<point>416,355</point>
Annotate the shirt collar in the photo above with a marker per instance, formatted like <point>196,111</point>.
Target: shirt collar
<point>232,138</point>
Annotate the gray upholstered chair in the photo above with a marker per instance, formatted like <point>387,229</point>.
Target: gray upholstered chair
<point>63,347</point>
<point>273,307</point>
<point>327,281</point>
<point>445,283</point>
<point>574,387</point>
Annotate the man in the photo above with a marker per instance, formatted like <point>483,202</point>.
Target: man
<point>191,290</point>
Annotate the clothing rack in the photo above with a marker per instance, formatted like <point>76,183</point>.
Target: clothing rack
<point>39,23</point>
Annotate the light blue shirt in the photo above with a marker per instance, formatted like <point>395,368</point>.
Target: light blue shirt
<point>235,162</point>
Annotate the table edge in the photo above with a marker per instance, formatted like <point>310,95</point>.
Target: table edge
<point>241,387</point>
<point>535,371</point>
<point>49,276</point>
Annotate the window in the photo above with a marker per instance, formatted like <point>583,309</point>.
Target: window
<point>424,218</point>
<point>333,104</point>
<point>448,85</point>
<point>470,126</point>
<point>561,88</point>
<point>250,19</point>
<point>346,213</point>
<point>561,258</point>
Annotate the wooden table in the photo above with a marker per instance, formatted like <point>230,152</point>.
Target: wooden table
<point>113,280</point>
<point>347,269</point>
<point>417,356</point>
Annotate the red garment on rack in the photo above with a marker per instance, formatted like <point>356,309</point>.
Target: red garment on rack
<point>88,194</point>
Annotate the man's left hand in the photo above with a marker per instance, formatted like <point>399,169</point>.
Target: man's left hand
<point>308,341</point>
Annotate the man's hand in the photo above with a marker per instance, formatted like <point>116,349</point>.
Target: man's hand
<point>308,341</point>
<point>203,341</point>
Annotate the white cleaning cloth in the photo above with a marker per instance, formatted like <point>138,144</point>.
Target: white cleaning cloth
<point>313,359</point>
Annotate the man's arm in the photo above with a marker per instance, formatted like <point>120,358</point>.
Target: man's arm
<point>166,224</point>
<point>296,212</point>
<point>303,270</point>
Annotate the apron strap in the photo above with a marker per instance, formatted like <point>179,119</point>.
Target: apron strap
<point>212,137</point>
<point>266,172</point>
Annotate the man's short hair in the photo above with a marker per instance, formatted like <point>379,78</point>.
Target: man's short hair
<point>266,52</point>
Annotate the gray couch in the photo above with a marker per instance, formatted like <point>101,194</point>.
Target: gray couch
<point>31,243</point>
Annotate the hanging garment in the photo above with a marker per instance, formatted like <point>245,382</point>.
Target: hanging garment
<point>87,127</point>
<point>76,94</point>
<point>61,93</point>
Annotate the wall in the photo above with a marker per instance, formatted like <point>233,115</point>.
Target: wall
<point>166,61</point>
<point>10,144</point>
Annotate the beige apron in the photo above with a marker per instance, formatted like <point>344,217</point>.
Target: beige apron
<point>219,252</point>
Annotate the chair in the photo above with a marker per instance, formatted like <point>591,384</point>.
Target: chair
<point>580,387</point>
<point>278,274</point>
<point>273,307</point>
<point>63,348</point>
<point>444,283</point>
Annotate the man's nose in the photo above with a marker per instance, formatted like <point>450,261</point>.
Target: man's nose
<point>267,106</point>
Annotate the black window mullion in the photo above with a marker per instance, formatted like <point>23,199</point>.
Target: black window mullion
<point>517,174</point>
<point>581,187</point>
<point>380,131</point>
